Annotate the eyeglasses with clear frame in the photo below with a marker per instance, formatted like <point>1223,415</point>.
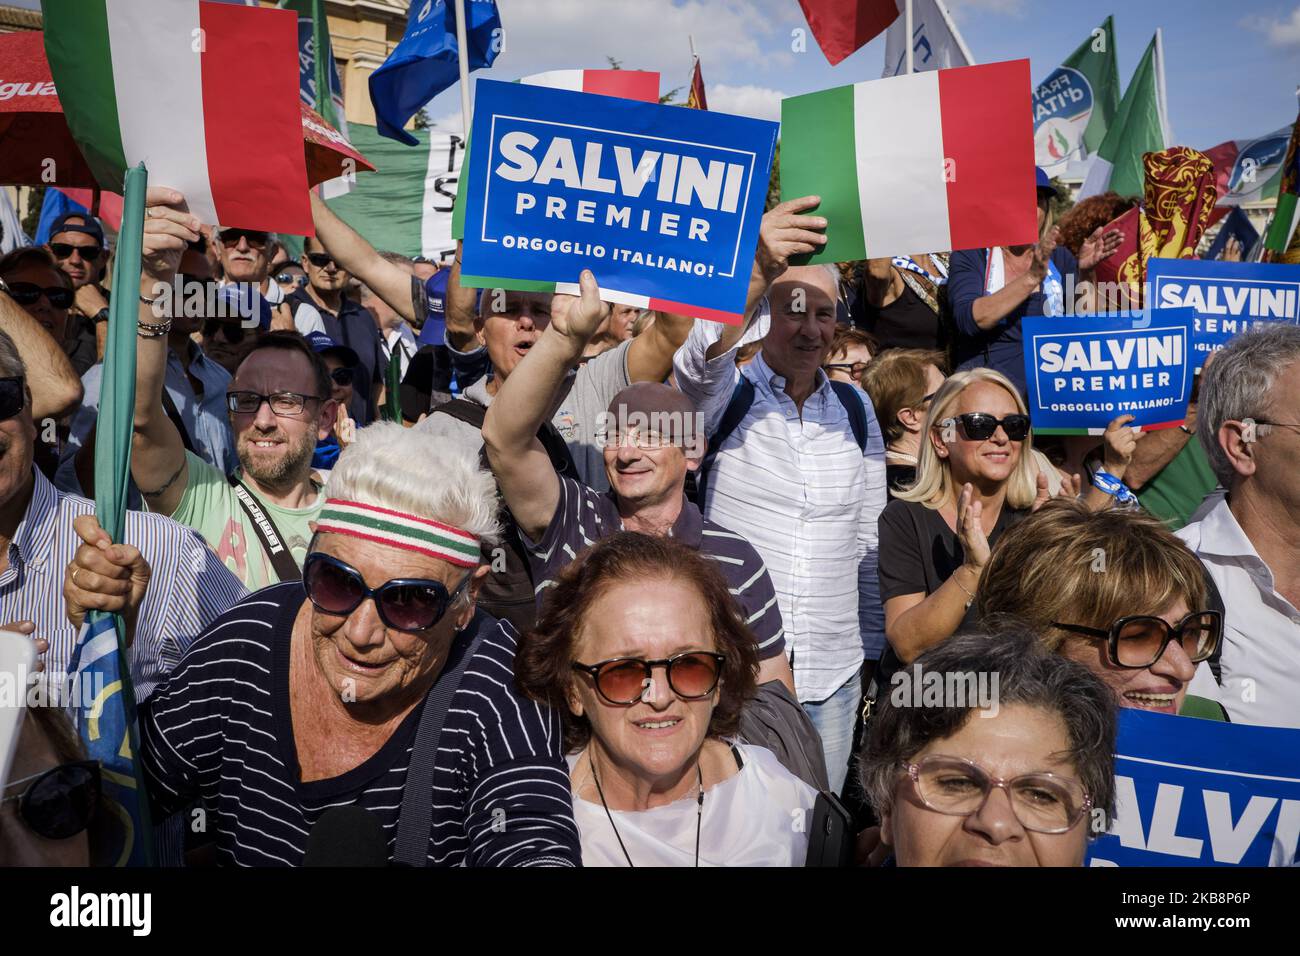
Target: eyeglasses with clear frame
<point>1043,802</point>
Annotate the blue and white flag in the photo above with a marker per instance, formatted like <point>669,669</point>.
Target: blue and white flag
<point>936,44</point>
<point>426,61</point>
<point>1193,792</point>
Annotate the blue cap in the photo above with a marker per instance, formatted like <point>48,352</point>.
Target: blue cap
<point>1043,181</point>
<point>435,326</point>
<point>322,344</point>
<point>239,295</point>
<point>88,225</point>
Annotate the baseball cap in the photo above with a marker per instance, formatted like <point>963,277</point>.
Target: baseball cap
<point>238,296</point>
<point>1043,181</point>
<point>322,344</point>
<point>88,226</point>
<point>435,326</point>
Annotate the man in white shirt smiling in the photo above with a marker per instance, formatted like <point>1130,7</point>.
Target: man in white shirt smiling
<point>793,476</point>
<point>1249,425</point>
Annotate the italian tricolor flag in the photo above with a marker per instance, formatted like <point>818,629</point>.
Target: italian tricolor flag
<point>923,162</point>
<point>205,94</point>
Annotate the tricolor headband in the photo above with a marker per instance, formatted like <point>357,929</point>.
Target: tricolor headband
<point>399,530</point>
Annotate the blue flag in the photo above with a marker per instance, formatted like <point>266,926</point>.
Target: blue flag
<point>425,62</point>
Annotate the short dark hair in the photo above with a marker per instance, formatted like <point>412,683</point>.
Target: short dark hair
<point>293,342</point>
<point>13,261</point>
<point>542,663</point>
<point>1028,674</point>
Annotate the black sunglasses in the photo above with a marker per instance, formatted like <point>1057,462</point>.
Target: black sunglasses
<point>342,376</point>
<point>623,680</point>
<point>13,397</point>
<point>1140,640</point>
<point>64,250</point>
<point>284,278</point>
<point>60,802</point>
<point>28,293</point>
<point>231,237</point>
<point>233,331</point>
<point>404,604</point>
<point>979,425</point>
<point>319,259</point>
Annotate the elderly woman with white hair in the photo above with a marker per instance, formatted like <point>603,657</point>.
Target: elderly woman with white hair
<point>367,713</point>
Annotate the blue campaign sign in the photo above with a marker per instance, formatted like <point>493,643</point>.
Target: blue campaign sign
<point>1082,371</point>
<point>1228,297</point>
<point>662,203</point>
<point>1193,792</point>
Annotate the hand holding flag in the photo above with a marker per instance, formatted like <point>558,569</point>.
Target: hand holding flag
<point>104,576</point>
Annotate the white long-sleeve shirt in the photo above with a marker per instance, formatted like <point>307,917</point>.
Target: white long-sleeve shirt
<point>804,495</point>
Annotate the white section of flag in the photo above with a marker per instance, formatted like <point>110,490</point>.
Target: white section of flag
<point>936,43</point>
<point>162,85</point>
<point>557,80</point>
<point>904,202</point>
<point>443,168</point>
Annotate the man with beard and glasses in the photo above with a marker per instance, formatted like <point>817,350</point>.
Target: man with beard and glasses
<point>195,386</point>
<point>280,406</point>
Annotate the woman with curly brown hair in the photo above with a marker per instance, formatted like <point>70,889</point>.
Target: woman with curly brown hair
<point>641,647</point>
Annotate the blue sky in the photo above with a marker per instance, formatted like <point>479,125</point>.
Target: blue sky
<point>1232,66</point>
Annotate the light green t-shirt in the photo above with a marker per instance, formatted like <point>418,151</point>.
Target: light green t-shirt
<point>211,508</point>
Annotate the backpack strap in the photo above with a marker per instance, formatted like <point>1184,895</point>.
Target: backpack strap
<point>852,402</point>
<point>415,820</point>
<point>741,400</point>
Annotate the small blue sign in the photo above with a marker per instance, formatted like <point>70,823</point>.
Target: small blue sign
<point>1193,792</point>
<point>1083,371</point>
<point>661,203</point>
<point>1227,297</point>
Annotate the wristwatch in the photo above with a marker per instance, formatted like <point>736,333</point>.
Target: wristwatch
<point>1185,430</point>
<point>102,315</point>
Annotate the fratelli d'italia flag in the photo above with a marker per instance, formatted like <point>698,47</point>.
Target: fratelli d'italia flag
<point>923,162</point>
<point>205,94</point>
<point>1075,105</point>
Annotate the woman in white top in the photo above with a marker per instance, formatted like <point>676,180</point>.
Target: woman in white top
<point>642,648</point>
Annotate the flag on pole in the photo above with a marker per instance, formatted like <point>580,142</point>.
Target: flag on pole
<point>919,162</point>
<point>1287,213</point>
<point>1250,170</point>
<point>107,722</point>
<point>936,44</point>
<point>1141,126</point>
<point>1077,103</point>
<point>696,99</point>
<point>171,82</point>
<point>427,60</point>
<point>319,84</point>
<point>841,27</point>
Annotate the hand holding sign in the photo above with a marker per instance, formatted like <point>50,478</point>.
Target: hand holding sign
<point>579,318</point>
<point>1120,442</point>
<point>784,234</point>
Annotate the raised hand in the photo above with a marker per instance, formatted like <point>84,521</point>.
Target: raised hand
<point>1043,253</point>
<point>103,576</point>
<point>1120,442</point>
<point>579,317</point>
<point>168,228</point>
<point>1100,245</point>
<point>970,532</point>
<point>785,233</point>
<point>345,429</point>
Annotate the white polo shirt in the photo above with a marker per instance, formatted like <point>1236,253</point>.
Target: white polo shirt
<point>1260,663</point>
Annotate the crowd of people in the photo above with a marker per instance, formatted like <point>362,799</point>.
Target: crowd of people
<point>521,579</point>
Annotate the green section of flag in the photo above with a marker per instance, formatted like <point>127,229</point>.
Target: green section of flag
<point>1095,59</point>
<point>393,387</point>
<point>1283,226</point>
<point>323,60</point>
<point>514,285</point>
<point>1138,127</point>
<point>386,206</point>
<point>819,158</point>
<point>81,63</point>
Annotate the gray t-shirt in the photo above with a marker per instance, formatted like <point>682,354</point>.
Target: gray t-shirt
<point>577,414</point>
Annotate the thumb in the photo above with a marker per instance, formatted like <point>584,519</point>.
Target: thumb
<point>89,531</point>
<point>590,292</point>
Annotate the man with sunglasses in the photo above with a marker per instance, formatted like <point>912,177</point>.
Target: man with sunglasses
<point>279,405</point>
<point>33,298</point>
<point>1248,422</point>
<point>77,244</point>
<point>321,306</point>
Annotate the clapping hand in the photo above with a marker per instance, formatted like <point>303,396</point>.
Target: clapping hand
<point>970,532</point>
<point>1100,245</point>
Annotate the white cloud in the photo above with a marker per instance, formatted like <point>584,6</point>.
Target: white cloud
<point>962,9</point>
<point>756,101</point>
<point>1283,33</point>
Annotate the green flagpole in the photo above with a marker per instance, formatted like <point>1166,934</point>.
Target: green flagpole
<point>113,446</point>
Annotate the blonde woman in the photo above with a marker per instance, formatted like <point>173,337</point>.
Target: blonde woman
<point>975,479</point>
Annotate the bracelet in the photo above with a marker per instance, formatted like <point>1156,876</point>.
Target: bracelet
<point>149,330</point>
<point>1112,486</point>
<point>148,301</point>
<point>968,593</point>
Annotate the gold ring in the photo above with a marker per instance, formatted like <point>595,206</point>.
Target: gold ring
<point>75,572</point>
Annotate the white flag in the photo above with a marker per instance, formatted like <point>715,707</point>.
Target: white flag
<point>936,44</point>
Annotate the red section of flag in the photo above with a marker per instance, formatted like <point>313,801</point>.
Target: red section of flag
<point>992,199</point>
<point>695,312</point>
<point>110,205</point>
<point>843,26</point>
<point>640,85</point>
<point>696,99</point>
<point>1223,156</point>
<point>253,120</point>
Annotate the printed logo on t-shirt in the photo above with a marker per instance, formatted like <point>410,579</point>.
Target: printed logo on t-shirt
<point>566,424</point>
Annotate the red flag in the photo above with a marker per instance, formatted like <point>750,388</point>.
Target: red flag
<point>695,99</point>
<point>843,26</point>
